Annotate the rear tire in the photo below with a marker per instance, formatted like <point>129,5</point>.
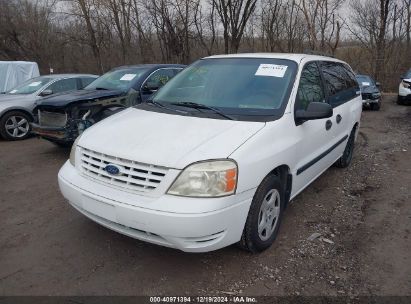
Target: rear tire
<point>264,217</point>
<point>345,160</point>
<point>15,125</point>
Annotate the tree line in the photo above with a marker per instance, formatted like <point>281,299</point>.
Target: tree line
<point>96,35</point>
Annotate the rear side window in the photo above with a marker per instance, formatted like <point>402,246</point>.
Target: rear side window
<point>341,85</point>
<point>310,88</point>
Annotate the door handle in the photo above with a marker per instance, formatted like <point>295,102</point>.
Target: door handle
<point>338,118</point>
<point>328,124</point>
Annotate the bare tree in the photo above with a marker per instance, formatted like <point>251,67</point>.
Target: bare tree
<point>234,15</point>
<point>272,24</point>
<point>205,24</point>
<point>322,23</point>
<point>119,12</point>
<point>84,9</point>
<point>370,21</point>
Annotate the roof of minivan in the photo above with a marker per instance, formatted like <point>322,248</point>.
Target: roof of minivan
<point>290,56</point>
<point>68,75</point>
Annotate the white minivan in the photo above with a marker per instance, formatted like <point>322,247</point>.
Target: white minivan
<point>404,89</point>
<point>215,156</point>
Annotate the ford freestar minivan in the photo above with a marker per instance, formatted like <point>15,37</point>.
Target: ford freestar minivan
<point>215,156</point>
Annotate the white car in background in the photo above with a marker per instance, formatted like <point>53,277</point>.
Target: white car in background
<point>16,105</point>
<point>216,155</point>
<point>404,90</point>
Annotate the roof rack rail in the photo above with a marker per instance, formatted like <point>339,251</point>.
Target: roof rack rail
<point>318,53</point>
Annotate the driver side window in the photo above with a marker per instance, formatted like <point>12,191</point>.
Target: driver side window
<point>310,88</point>
<point>158,79</point>
<point>63,85</point>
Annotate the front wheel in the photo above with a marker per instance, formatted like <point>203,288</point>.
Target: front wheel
<point>264,217</point>
<point>15,125</point>
<point>376,106</point>
<point>345,160</point>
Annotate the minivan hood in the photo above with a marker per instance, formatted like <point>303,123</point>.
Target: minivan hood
<point>64,99</point>
<point>370,89</point>
<point>172,141</point>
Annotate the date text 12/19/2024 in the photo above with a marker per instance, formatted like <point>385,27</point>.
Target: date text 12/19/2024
<point>203,299</point>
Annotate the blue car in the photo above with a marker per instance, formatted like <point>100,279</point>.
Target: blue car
<point>62,117</point>
<point>370,92</point>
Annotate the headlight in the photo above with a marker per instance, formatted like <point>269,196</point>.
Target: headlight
<point>206,179</point>
<point>73,152</point>
<point>376,95</point>
<point>406,85</point>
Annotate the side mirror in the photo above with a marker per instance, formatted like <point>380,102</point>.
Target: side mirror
<point>151,87</point>
<point>378,84</point>
<point>315,110</point>
<point>46,93</point>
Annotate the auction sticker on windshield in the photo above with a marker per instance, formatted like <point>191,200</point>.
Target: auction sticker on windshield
<point>128,77</point>
<point>273,70</point>
<point>35,84</point>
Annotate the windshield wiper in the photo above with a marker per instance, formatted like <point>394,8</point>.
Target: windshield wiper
<point>99,88</point>
<point>198,106</point>
<point>160,105</point>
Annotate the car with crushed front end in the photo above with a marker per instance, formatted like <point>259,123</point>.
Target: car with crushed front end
<point>216,155</point>
<point>16,105</point>
<point>62,117</point>
<point>370,92</point>
<point>404,89</point>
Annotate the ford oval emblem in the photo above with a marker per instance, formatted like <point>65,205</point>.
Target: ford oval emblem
<point>112,169</point>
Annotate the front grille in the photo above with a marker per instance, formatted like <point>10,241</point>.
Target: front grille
<point>52,119</point>
<point>133,175</point>
<point>366,96</point>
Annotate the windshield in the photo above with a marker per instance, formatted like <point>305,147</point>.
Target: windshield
<point>242,86</point>
<point>121,79</point>
<point>30,86</point>
<point>364,81</point>
<point>408,75</point>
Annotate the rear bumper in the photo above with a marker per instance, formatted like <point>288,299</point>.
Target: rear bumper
<point>190,232</point>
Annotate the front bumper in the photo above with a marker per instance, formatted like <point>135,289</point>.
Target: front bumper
<point>405,98</point>
<point>370,101</point>
<point>404,92</point>
<point>56,134</point>
<point>191,232</point>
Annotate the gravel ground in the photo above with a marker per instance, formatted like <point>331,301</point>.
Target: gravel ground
<point>363,216</point>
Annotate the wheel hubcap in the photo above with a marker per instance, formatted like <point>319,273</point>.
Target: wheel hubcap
<point>17,126</point>
<point>269,214</point>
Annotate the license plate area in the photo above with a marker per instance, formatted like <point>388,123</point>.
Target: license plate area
<point>98,208</point>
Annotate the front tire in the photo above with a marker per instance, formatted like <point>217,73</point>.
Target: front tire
<point>345,160</point>
<point>399,100</point>
<point>264,217</point>
<point>15,125</point>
